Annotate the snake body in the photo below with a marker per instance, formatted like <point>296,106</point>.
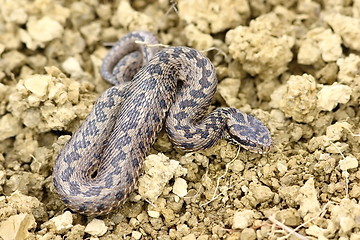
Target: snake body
<point>100,165</point>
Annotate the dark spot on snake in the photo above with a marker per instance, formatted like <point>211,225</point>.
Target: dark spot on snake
<point>120,156</point>
<point>80,144</point>
<point>201,62</point>
<point>91,128</point>
<point>155,68</point>
<point>181,115</point>
<point>71,157</point>
<point>177,51</point>
<point>162,104</point>
<point>135,163</point>
<point>66,174</point>
<point>156,118</point>
<point>141,146</point>
<point>129,178</point>
<point>119,195</point>
<point>208,73</point>
<point>187,104</point>
<point>93,191</point>
<point>182,128</point>
<point>193,52</point>
<point>83,208</point>
<point>123,140</point>
<point>164,57</point>
<point>210,143</point>
<point>74,188</point>
<point>187,145</point>
<point>108,182</point>
<point>204,134</point>
<point>151,84</point>
<point>149,132</point>
<point>101,207</point>
<point>197,94</point>
<point>204,82</point>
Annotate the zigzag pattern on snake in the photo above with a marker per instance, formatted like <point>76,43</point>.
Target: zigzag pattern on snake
<point>98,168</point>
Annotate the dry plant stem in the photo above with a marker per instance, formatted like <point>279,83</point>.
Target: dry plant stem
<point>214,197</point>
<point>292,231</point>
<point>172,7</point>
<point>287,229</point>
<point>353,134</point>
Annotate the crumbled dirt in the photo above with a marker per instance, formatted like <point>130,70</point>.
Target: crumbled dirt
<point>293,64</point>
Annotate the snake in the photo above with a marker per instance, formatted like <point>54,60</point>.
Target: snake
<point>153,87</point>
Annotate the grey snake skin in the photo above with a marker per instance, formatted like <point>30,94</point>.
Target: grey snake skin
<point>99,167</point>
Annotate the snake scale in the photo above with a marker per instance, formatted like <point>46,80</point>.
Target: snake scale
<point>99,166</point>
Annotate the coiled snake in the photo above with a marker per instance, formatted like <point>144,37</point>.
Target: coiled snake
<point>99,166</point>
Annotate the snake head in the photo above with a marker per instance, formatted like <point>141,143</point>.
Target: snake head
<point>248,132</point>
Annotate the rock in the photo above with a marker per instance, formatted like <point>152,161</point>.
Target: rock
<point>37,84</point>
<point>297,99</point>
<point>9,126</point>
<point>136,235</point>
<point>197,39</point>
<point>320,43</point>
<point>330,96</point>
<point>159,170</point>
<point>261,193</point>
<point>248,234</point>
<point>243,219</point>
<point>72,66</point>
<point>348,68</point>
<point>307,198</point>
<point>347,224</point>
<point>229,90</point>
<point>347,27</point>
<point>349,162</point>
<point>44,29</point>
<point>96,228</point>
<point>60,224</point>
<point>180,187</point>
<point>218,16</point>
<point>17,227</point>
<point>154,214</point>
<point>256,50</point>
<point>337,131</point>
<point>191,236</point>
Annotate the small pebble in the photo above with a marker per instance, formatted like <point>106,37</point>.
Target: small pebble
<point>72,66</point>
<point>96,228</point>
<point>330,96</point>
<point>9,126</point>
<point>61,223</point>
<point>180,187</point>
<point>17,226</point>
<point>136,234</point>
<point>37,84</point>
<point>243,219</point>
<point>154,214</point>
<point>346,224</point>
<point>348,162</point>
<point>45,29</point>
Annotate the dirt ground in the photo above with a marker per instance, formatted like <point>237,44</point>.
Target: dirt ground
<point>292,64</point>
